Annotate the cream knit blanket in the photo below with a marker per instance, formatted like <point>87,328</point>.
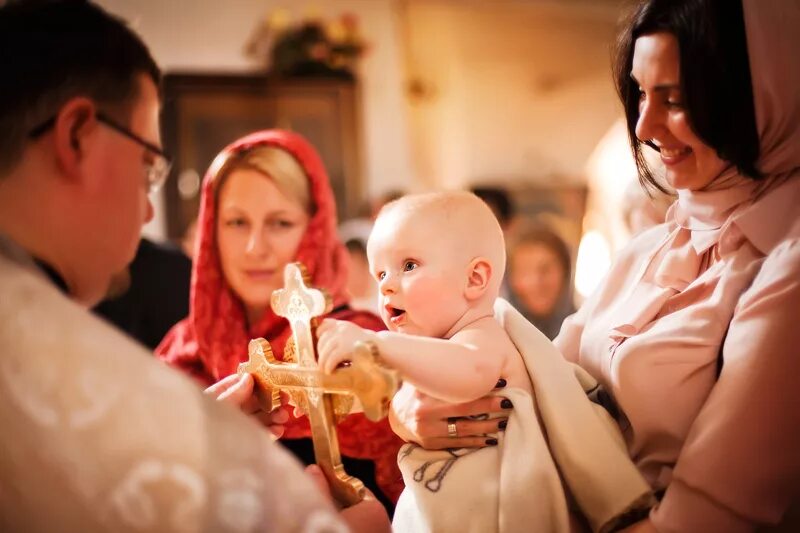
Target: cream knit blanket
<point>520,484</point>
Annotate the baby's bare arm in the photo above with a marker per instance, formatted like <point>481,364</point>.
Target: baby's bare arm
<point>462,368</point>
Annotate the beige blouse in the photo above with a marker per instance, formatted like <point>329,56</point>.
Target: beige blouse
<point>725,446</point>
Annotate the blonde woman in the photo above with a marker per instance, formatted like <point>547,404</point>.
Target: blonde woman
<point>267,202</point>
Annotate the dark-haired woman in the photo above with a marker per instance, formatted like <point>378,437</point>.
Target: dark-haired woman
<point>694,333</point>
<point>539,267</point>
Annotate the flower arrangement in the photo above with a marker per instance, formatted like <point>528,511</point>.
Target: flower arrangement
<point>309,47</point>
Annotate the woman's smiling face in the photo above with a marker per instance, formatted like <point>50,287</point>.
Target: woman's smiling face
<point>663,120</point>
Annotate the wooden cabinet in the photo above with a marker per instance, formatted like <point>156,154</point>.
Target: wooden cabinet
<point>203,113</point>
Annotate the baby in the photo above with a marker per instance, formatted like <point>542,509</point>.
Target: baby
<point>439,260</point>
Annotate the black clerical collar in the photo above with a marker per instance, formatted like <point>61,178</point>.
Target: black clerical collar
<point>54,276</point>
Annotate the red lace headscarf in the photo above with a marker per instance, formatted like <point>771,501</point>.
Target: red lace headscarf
<point>211,342</point>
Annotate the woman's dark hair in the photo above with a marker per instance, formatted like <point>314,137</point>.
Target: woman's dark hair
<point>714,76</point>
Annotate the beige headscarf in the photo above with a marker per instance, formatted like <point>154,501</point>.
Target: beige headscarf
<point>699,218</point>
<point>773,46</point>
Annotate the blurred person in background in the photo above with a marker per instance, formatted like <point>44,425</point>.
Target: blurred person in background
<point>151,295</point>
<point>539,276</point>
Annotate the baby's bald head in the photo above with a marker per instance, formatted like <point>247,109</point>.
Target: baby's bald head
<point>457,221</point>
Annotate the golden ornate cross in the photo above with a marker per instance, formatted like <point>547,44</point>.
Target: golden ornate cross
<point>314,391</point>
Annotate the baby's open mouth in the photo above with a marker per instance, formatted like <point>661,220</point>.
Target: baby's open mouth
<point>395,313</point>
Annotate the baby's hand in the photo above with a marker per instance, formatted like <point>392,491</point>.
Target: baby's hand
<point>336,340</point>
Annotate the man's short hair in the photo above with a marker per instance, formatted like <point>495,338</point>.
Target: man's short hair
<point>55,50</point>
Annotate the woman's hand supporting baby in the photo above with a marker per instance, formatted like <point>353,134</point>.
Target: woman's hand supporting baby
<point>419,418</point>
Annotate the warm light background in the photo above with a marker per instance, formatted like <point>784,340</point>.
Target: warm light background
<point>453,92</point>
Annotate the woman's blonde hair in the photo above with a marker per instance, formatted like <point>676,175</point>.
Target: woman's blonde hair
<point>276,164</point>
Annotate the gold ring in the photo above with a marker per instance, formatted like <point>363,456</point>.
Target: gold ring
<point>452,431</point>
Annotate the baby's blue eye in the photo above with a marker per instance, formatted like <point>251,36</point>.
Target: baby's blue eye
<point>381,275</point>
<point>409,265</point>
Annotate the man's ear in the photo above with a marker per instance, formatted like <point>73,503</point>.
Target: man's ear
<point>479,273</point>
<point>74,122</point>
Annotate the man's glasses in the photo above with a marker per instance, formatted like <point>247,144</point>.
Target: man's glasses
<point>156,173</point>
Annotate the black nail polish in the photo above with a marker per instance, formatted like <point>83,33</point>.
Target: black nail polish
<point>491,442</point>
<point>506,404</point>
<point>500,383</point>
<point>502,424</point>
